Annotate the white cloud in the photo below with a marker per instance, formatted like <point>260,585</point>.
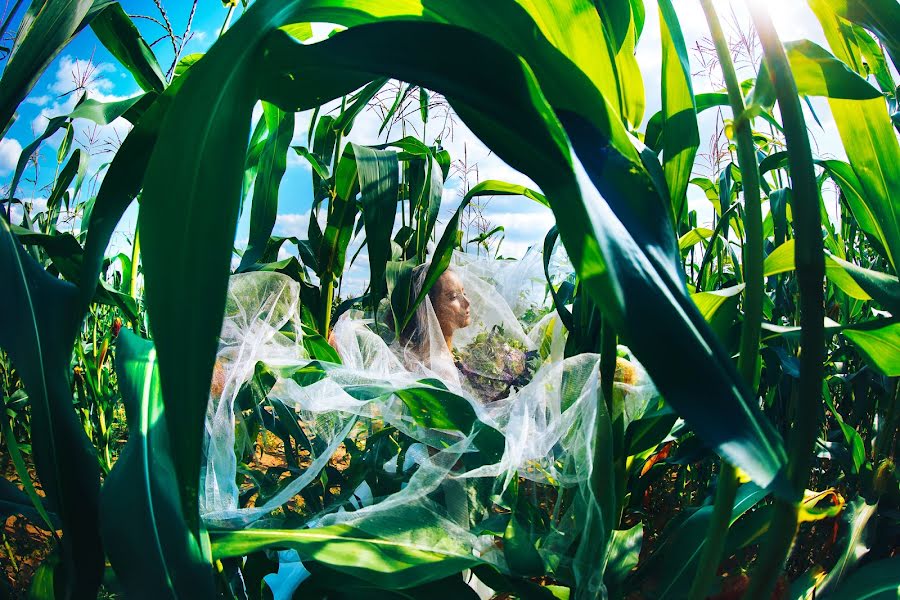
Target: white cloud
<point>10,149</point>
<point>38,100</point>
<point>292,224</point>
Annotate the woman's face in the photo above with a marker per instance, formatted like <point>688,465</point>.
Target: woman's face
<point>450,304</point>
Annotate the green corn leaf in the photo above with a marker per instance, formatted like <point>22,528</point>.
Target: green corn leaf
<point>118,34</point>
<point>878,16</point>
<point>144,530</point>
<point>866,212</point>
<point>342,212</point>
<point>423,104</point>
<point>14,501</point>
<point>318,347</point>
<point>865,128</point>
<point>854,541</point>
<point>519,539</point>
<point>66,144</point>
<point>75,167</point>
<point>121,185</point>
<point>37,334</point>
<point>710,302</point>
<point>186,63</point>
<point>564,313</point>
<point>693,237</point>
<point>54,24</point>
<point>67,256</point>
<point>254,152</point>
<point>621,36</point>
<point>647,432</point>
<point>374,556</point>
<point>653,136</point>
<point>680,134</point>
<point>881,347</point>
<point>624,553</point>
<point>854,441</point>
<point>427,187</point>
<point>272,165</point>
<point>616,18</point>
<point>344,121</point>
<point>101,113</point>
<point>379,180</point>
<point>818,73</point>
<point>871,52</point>
<point>879,580</point>
<point>853,280</point>
<point>674,560</point>
<point>28,501</point>
<point>855,195</point>
<point>639,15</point>
<point>317,166</point>
<point>104,113</point>
<point>631,82</point>
<point>493,187</point>
<point>883,288</point>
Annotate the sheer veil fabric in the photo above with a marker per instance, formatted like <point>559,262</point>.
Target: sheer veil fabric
<point>546,407</point>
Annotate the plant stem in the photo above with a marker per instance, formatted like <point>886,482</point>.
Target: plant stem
<point>752,258</point>
<point>711,556</point>
<point>810,262</point>
<point>135,257</point>
<point>608,345</point>
<point>328,299</point>
<point>227,19</point>
<point>132,285</point>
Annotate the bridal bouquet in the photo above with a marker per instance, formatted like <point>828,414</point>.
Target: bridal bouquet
<point>495,364</point>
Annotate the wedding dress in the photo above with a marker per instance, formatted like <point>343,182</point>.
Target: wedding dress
<point>546,417</point>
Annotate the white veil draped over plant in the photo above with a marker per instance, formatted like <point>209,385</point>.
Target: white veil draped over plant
<point>462,454</point>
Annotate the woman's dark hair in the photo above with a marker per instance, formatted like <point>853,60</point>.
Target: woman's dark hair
<point>414,332</point>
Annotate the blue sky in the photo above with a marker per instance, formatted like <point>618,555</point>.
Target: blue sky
<point>526,223</point>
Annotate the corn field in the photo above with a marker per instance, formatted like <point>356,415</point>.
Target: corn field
<point>763,466</point>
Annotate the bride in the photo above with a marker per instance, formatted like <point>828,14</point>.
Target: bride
<point>467,344</point>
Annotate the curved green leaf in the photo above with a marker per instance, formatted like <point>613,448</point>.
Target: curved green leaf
<point>880,346</point>
<point>680,134</point>
<point>379,181</point>
<point>373,556</point>
<point>865,127</point>
<point>494,187</point>
<point>41,39</point>
<point>818,73</point>
<point>272,165</point>
<point>117,32</point>
<point>144,530</point>
<point>853,280</point>
<point>879,580</point>
<point>39,326</point>
<point>879,16</point>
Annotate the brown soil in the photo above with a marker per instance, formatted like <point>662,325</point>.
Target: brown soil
<point>24,546</point>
